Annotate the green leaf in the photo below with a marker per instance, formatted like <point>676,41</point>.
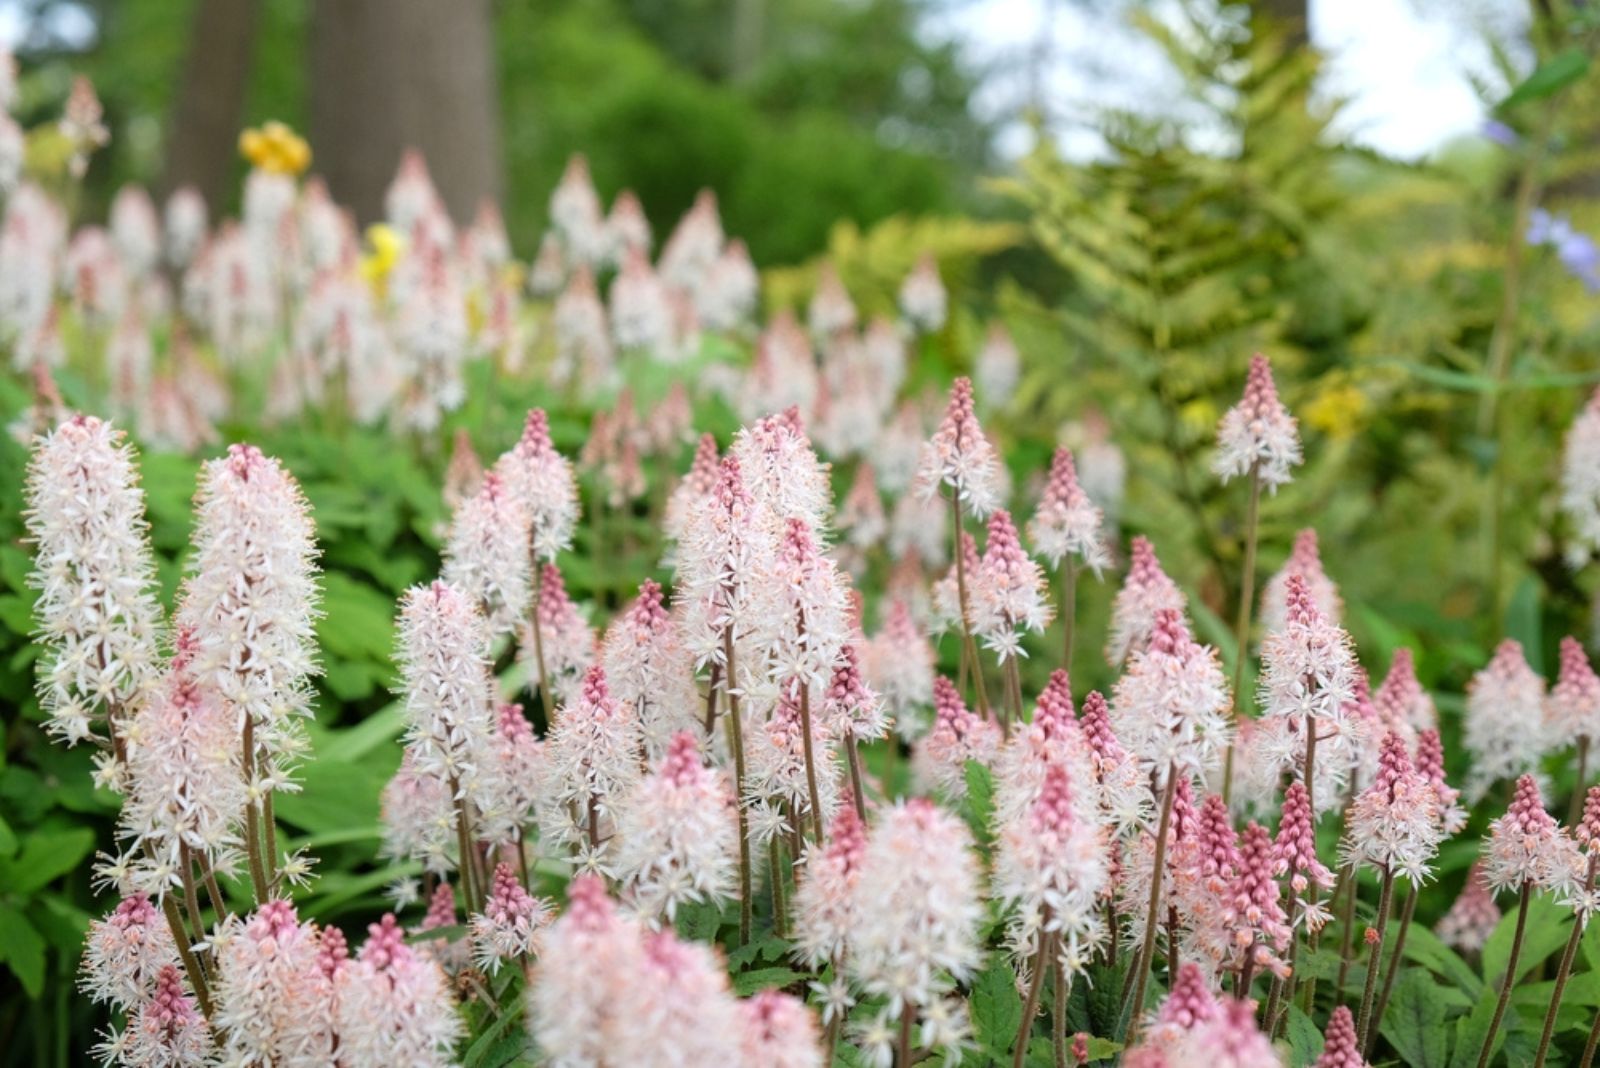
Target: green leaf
<point>980,800</point>
<point>996,1006</point>
<point>1471,1030</point>
<point>487,1049</point>
<point>8,839</point>
<point>45,856</point>
<point>770,948</point>
<point>1549,77</point>
<point>1425,947</point>
<point>1546,932</point>
<point>747,983</point>
<point>1522,619</point>
<point>22,949</point>
<point>1414,1022</point>
<point>1305,1041</point>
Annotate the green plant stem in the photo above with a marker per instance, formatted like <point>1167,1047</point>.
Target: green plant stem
<point>1392,972</point>
<point>463,847</point>
<point>908,1017</point>
<point>1589,1046</point>
<point>1352,889</point>
<point>811,763</point>
<point>779,909</point>
<point>853,758</point>
<point>1565,970</point>
<point>966,616</point>
<point>1385,900</point>
<point>1247,595</point>
<point>736,743</point>
<point>1147,951</point>
<point>1058,1012</point>
<point>252,815</point>
<point>1508,979</point>
<point>191,964</point>
<point>191,898</point>
<point>1030,1006</point>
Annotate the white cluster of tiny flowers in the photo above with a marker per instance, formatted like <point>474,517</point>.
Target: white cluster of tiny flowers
<point>1258,434</point>
<point>592,768</point>
<point>99,621</point>
<point>487,556</point>
<point>1504,725</point>
<point>541,479</point>
<point>1008,592</point>
<point>650,670</point>
<point>1170,708</point>
<point>1580,482</point>
<point>679,839</point>
<point>960,456</point>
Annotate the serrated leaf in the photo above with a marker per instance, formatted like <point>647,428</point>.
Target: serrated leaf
<point>1414,1022</point>
<point>747,983</point>
<point>980,799</point>
<point>996,1006</point>
<point>1471,1030</point>
<point>1305,1040</point>
<point>481,1053</point>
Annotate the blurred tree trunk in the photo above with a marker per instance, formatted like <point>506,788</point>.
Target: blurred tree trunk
<point>387,75</point>
<point>201,148</point>
<point>1289,17</point>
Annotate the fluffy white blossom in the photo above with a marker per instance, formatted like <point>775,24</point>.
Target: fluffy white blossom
<point>1258,434</point>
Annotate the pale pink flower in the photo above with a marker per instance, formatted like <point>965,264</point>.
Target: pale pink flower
<point>782,473</point>
<point>783,370</point>
<point>1572,711</point>
<point>676,1009</point>
<point>507,802</point>
<point>693,490</point>
<point>861,518</point>
<point>919,905</point>
<point>394,1005</point>
<point>997,367</point>
<point>98,617</point>
<point>729,290</point>
<point>850,708</point>
<point>274,1003</point>
<point>575,213</point>
<point>186,788</point>
<point>135,229</point>
<point>1124,794</point>
<point>166,1031</point>
<point>81,125</point>
<point>1052,738</point>
<point>447,687</point>
<point>1232,1039</point>
<point>510,922</point>
<point>1253,907</point>
<point>776,763</point>
<point>417,809</point>
<point>592,766</point>
<point>565,640</point>
<point>185,225</point>
<point>1395,824</point>
<point>1504,727</point>
<point>825,902</point>
<point>641,315</point>
<point>1295,851</point>
<point>1258,434</point>
<point>724,547</point>
<point>694,244</point>
<point>946,592</point>
<point>898,663</point>
<point>922,297</point>
<point>830,311</point>
<point>961,457</point>
<point>778,1031</point>
<point>411,195</point>
<point>548,272</point>
<point>1580,482</point>
<point>1527,846</point>
<point>453,954</point>
<point>899,446</point>
<point>803,605</point>
<point>957,736</point>
<point>1189,1005</point>
<point>1430,765</point>
<point>589,954</point>
<point>679,839</point>
<point>125,952</point>
<point>1008,591</point>
<point>584,354</point>
<point>1401,704</point>
<point>650,670</point>
<point>627,228</point>
<point>541,478</point>
<point>1473,916</point>
<point>1067,523</point>
<point>919,529</point>
<point>1146,591</point>
<point>1170,708</point>
<point>1305,562</point>
<point>1050,872</point>
<point>1339,1048</point>
<point>487,557</point>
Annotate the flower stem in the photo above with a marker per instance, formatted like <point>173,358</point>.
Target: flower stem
<point>908,1017</point>
<point>252,814</point>
<point>1385,900</point>
<point>1589,1046</point>
<point>853,758</point>
<point>1241,634</point>
<point>1565,970</point>
<point>538,644</point>
<point>779,910</point>
<point>1392,972</point>
<point>811,763</point>
<point>463,846</point>
<point>1575,809</point>
<point>1030,1007</point>
<point>1351,888</point>
<point>1069,610</point>
<point>966,617</point>
<point>736,743</point>
<point>1058,1012</point>
<point>1132,1008</point>
<point>1505,982</point>
<point>191,964</point>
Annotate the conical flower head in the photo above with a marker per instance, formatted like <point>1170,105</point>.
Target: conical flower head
<point>541,480</point>
<point>693,489</point>
<point>1306,562</point>
<point>1573,709</point>
<point>274,1002</point>
<point>922,296</point>
<point>1124,794</point>
<point>1504,724</point>
<point>1395,824</point>
<point>778,1031</point>
<point>1309,665</point>
<point>960,456</point>
<point>565,638</point>
<point>649,668</point>
<point>510,922</point>
<point>487,554</point>
<point>1170,708</point>
<point>850,707</point>
<point>678,1007</point>
<point>1401,703</point>
<point>825,903</point>
<point>1067,522</point>
<point>125,952</point>
<point>99,620</point>
<point>782,473</point>
<point>588,955</point>
<point>1527,846</point>
<point>1339,1047</point>
<point>592,759</point>
<point>899,665</point>
<point>1008,594</point>
<point>168,1031</point>
<point>1472,917</point>
<point>1430,765</point>
<point>679,838</point>
<point>394,1005</point>
<point>1258,434</point>
<point>957,736</point>
<point>1146,591</point>
<point>444,671</point>
<point>1295,851</point>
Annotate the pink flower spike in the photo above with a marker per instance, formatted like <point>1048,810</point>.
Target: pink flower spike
<point>960,456</point>
<point>1472,917</point>
<point>778,1032</point>
<point>850,707</point>
<point>510,922</point>
<point>1588,833</point>
<point>1306,562</point>
<point>825,904</point>
<point>1395,823</point>
<point>125,952</point>
<point>1504,724</point>
<point>541,479</point>
<point>1295,852</point>
<point>650,669</point>
<point>394,1005</point>
<point>1170,708</point>
<point>1339,1049</point>
<point>1067,522</point>
<point>679,839</point>
<point>168,1031</point>
<point>1430,764</point>
<point>1527,846</point>
<point>958,735</point>
<point>1258,434</point>
<point>1146,591</point>
<point>1008,596</point>
<point>1573,708</point>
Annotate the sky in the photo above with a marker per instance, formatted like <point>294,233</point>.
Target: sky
<point>1403,65</point>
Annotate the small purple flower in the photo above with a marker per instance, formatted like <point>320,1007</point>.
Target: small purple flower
<point>1500,133</point>
<point>1575,249</point>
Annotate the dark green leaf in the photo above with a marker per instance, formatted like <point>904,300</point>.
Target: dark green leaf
<point>747,983</point>
<point>1546,932</point>
<point>1305,1041</point>
<point>1414,1022</point>
<point>45,856</point>
<point>1551,76</point>
<point>996,1006</point>
<point>22,949</point>
<point>980,799</point>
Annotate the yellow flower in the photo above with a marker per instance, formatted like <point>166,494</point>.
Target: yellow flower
<point>1337,410</point>
<point>275,148</point>
<point>387,246</point>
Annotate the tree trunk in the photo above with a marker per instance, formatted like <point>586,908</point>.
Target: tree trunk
<point>388,75</point>
<point>203,141</point>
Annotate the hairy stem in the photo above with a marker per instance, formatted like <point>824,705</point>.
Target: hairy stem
<point>1241,634</point>
<point>736,743</point>
<point>1385,900</point>
<point>1565,970</point>
<point>1030,1007</point>
<point>811,763</point>
<point>966,616</point>
<point>252,814</point>
<point>1505,982</point>
<point>1147,951</point>
<point>1392,972</point>
<point>853,758</point>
